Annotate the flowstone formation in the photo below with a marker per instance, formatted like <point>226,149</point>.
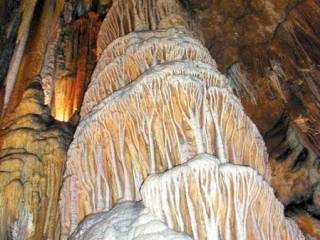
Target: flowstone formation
<point>155,101</point>
<point>126,221</point>
<point>271,52</point>
<point>32,154</point>
<point>213,200</point>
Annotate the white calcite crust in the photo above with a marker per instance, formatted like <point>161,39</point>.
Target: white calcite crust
<point>134,54</point>
<point>126,221</point>
<point>213,200</point>
<point>155,101</point>
<point>140,15</point>
<point>148,127</point>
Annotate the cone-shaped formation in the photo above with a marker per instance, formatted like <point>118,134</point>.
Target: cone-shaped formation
<point>32,155</point>
<point>127,58</point>
<point>210,200</point>
<point>155,101</point>
<point>126,221</point>
<point>140,15</point>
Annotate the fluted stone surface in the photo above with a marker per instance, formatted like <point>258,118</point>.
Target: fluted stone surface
<point>156,100</point>
<point>140,15</point>
<point>269,49</point>
<point>32,155</point>
<point>213,200</point>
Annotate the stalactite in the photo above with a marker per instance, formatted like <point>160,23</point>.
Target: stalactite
<point>275,74</point>
<point>23,34</point>
<point>43,19</point>
<point>240,82</point>
<point>74,66</point>
<point>48,69</point>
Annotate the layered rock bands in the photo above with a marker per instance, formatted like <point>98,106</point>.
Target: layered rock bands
<point>156,101</point>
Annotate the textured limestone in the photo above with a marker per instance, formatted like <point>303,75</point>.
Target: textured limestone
<point>213,200</point>
<point>36,29</point>
<point>168,114</point>
<point>270,50</point>
<point>295,174</point>
<point>115,149</point>
<point>22,37</point>
<point>128,57</point>
<point>156,99</point>
<point>75,56</point>
<point>126,221</point>
<point>32,154</point>
<point>140,15</point>
<point>308,224</point>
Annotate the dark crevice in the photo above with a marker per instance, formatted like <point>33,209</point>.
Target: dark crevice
<point>9,25</point>
<point>300,159</point>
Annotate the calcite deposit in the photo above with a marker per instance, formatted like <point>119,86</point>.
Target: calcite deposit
<point>123,119</point>
<point>33,150</point>
<point>127,220</point>
<point>156,100</point>
<point>213,200</point>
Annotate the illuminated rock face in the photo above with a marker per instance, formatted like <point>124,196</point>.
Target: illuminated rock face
<point>32,154</point>
<point>75,59</point>
<point>155,101</point>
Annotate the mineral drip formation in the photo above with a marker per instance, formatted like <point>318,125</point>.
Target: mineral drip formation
<point>155,101</point>
<point>213,200</point>
<point>127,220</point>
<point>32,156</point>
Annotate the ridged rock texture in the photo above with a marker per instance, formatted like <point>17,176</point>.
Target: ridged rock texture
<point>33,151</point>
<point>55,40</point>
<point>33,144</point>
<point>155,101</point>
<point>153,98</point>
<point>213,200</point>
<point>271,51</point>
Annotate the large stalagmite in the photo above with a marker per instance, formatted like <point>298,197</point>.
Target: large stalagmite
<point>32,155</point>
<point>155,101</point>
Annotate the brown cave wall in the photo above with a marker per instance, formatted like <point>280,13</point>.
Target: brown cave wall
<point>48,39</point>
<point>60,46</point>
<point>76,57</point>
<point>32,154</point>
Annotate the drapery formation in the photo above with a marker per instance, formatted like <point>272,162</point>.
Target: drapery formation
<point>213,200</point>
<point>155,101</point>
<point>32,155</point>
